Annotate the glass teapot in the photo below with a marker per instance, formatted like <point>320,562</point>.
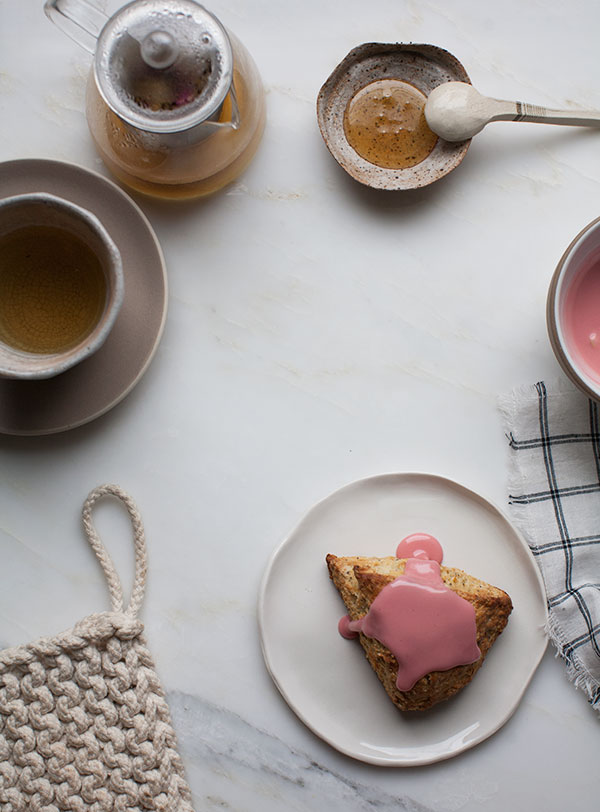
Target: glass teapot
<point>175,104</point>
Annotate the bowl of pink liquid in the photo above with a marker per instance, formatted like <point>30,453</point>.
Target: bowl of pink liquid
<point>573,310</point>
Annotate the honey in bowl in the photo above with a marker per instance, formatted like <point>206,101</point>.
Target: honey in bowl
<point>385,124</point>
<point>53,290</point>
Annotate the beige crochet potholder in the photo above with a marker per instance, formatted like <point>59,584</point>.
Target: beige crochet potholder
<point>84,724</point>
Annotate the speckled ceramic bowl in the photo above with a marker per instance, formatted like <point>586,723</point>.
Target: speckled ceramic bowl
<point>583,252</point>
<point>425,67</point>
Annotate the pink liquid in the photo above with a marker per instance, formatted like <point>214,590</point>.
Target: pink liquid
<point>425,625</point>
<point>581,319</point>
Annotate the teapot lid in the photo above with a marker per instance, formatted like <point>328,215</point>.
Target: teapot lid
<point>163,65</point>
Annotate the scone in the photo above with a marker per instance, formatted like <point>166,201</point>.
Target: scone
<point>360,581</point>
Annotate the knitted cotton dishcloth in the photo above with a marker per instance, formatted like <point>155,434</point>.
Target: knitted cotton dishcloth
<point>84,724</point>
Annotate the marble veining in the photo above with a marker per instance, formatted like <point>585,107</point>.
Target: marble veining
<point>238,757</point>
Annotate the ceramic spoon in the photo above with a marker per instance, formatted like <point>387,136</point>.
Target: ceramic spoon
<point>456,111</point>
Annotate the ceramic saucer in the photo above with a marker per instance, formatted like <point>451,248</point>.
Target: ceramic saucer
<point>94,386</point>
<point>327,680</point>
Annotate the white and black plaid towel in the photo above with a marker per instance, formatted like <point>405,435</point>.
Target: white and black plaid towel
<point>554,496</point>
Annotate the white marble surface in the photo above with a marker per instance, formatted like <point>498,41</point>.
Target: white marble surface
<point>318,332</point>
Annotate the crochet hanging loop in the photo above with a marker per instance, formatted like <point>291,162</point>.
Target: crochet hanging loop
<point>115,587</point>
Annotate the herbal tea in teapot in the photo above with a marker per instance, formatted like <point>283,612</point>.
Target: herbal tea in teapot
<point>175,104</point>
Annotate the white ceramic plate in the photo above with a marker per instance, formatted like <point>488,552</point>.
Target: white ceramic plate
<point>326,679</point>
<point>98,383</point>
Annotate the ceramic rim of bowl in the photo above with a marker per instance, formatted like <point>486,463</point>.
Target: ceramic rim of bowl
<point>556,294</point>
<point>425,67</point>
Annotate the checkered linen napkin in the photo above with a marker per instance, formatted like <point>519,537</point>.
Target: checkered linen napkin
<point>554,495</point>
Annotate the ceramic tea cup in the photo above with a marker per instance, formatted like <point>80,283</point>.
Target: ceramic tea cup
<point>573,311</point>
<point>61,285</point>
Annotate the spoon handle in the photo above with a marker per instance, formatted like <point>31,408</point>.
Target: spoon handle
<point>521,111</point>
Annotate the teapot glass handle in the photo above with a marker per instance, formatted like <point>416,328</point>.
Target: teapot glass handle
<point>235,109</point>
<point>234,121</point>
<point>79,19</point>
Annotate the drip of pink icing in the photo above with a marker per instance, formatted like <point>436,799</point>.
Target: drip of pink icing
<point>420,545</point>
<point>581,324</point>
<point>344,628</point>
<point>425,625</point>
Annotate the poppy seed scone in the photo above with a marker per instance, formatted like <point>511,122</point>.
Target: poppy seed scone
<point>360,580</point>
